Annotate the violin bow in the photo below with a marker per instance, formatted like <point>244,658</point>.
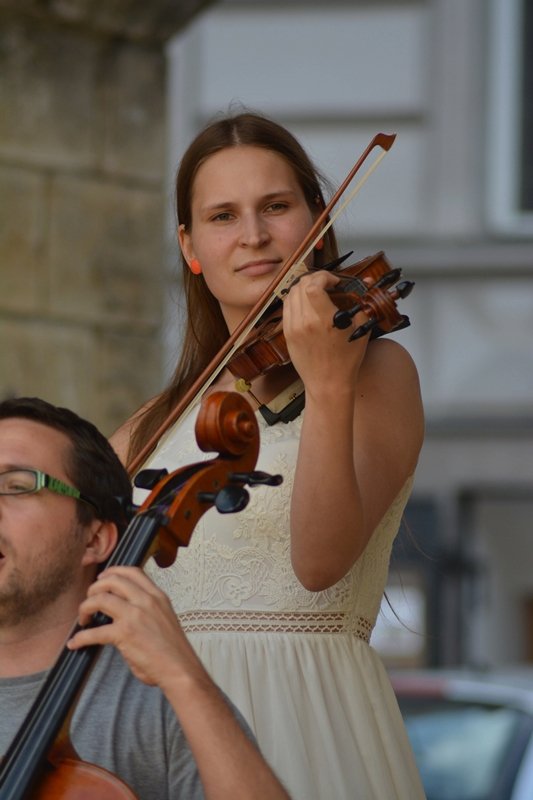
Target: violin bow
<point>283,280</point>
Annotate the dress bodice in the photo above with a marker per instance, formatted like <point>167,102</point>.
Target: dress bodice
<point>241,562</point>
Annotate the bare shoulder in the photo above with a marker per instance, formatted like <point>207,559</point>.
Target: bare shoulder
<point>388,361</point>
<point>121,438</point>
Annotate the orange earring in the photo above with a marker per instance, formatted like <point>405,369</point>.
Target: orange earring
<point>195,266</point>
<point>320,244</point>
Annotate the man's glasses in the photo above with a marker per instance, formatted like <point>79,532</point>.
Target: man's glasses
<point>30,481</point>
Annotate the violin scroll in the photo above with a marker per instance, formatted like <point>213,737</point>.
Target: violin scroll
<point>370,285</point>
<point>377,299</point>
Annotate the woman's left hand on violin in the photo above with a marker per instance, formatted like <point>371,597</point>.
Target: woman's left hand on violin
<point>322,354</point>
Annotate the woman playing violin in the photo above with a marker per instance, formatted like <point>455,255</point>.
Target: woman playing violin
<point>280,601</point>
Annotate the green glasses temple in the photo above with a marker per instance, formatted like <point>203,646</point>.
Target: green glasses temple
<point>45,481</point>
<point>59,487</point>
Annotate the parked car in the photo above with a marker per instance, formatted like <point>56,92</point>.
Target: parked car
<point>471,732</point>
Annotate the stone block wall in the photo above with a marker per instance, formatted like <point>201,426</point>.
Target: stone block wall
<point>82,157</point>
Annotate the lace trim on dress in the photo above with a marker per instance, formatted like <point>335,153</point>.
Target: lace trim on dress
<point>278,622</point>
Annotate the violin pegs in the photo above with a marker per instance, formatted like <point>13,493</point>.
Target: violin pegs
<point>405,322</point>
<point>404,288</point>
<point>343,319</point>
<point>362,330</point>
<point>389,278</point>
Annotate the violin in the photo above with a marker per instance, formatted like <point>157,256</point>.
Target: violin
<point>266,348</point>
<point>41,762</point>
<point>371,286</point>
<point>260,331</point>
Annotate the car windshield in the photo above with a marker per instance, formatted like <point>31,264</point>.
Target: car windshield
<point>460,748</point>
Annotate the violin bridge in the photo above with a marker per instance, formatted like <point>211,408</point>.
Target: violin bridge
<point>295,272</point>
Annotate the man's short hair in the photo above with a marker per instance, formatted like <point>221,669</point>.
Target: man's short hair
<point>92,465</point>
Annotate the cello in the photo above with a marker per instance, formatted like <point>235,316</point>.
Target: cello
<point>41,762</point>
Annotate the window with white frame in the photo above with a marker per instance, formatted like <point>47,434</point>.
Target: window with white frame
<point>510,123</point>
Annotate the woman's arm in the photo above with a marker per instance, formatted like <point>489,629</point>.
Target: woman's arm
<point>361,435</point>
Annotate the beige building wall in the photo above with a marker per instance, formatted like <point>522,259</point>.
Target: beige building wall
<point>82,159</point>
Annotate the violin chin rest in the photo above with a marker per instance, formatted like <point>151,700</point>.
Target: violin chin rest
<point>286,406</point>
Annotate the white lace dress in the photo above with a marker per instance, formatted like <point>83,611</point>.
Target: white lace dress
<point>296,663</point>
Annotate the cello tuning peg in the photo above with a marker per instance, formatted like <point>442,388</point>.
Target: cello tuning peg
<point>128,509</point>
<point>206,497</point>
<point>148,478</point>
<point>228,500</point>
<point>231,499</point>
<point>257,478</point>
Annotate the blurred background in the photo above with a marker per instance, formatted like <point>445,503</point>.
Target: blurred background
<point>98,100</point>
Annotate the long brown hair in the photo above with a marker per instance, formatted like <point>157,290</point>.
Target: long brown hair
<point>206,330</point>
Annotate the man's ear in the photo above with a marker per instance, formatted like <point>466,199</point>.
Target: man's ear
<point>101,540</point>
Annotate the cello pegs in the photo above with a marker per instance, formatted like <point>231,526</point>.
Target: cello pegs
<point>148,478</point>
<point>256,478</point>
<point>228,500</point>
<point>231,499</point>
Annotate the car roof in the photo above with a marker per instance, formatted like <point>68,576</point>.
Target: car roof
<point>507,686</point>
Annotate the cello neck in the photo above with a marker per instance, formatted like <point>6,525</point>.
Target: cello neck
<point>34,740</point>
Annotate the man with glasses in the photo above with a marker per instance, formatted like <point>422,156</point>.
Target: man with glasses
<point>59,522</point>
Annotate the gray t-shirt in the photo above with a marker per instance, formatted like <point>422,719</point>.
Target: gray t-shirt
<point>120,724</point>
